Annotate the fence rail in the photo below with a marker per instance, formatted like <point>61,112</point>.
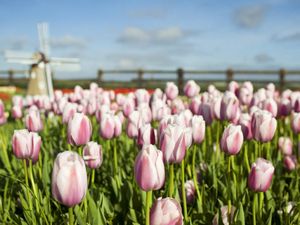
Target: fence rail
<point>180,75</point>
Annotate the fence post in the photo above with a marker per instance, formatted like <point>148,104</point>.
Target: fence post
<point>229,75</point>
<point>140,73</point>
<point>99,76</point>
<point>11,77</point>
<point>180,79</point>
<point>282,73</point>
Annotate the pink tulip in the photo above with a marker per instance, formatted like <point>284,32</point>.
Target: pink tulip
<point>135,121</point>
<point>233,87</point>
<point>245,96</point>
<point>296,122</point>
<point>290,162</point>
<point>146,135</point>
<point>107,126</point>
<point>171,90</point>
<point>79,129</point>
<point>190,191</point>
<point>229,106</point>
<point>142,96</point>
<point>120,99</point>
<point>177,106</point>
<point>92,155</point>
<point>68,112</point>
<point>232,139</point>
<point>285,145</point>
<point>26,145</point>
<point>16,112</point>
<point>198,129</point>
<point>33,121</point>
<point>149,168</point>
<point>284,107</point>
<point>145,112</point>
<point>260,177</point>
<point>296,105</point>
<point>17,100</point>
<point>216,107</point>
<point>245,122</point>
<point>166,211</point>
<point>69,178</point>
<point>173,143</point>
<point>128,107</point>
<point>270,105</point>
<point>191,89</point>
<point>263,125</point>
<point>194,105</point>
<point>205,110</point>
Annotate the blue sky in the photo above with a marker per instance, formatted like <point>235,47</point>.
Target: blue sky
<point>207,34</point>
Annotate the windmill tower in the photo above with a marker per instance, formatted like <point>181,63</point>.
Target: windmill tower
<point>41,64</point>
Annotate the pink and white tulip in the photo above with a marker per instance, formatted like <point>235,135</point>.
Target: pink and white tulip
<point>79,129</point>
<point>92,155</point>
<point>232,139</point>
<point>69,178</point>
<point>261,174</point>
<point>149,169</point>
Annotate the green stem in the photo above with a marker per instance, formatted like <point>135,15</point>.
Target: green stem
<point>254,203</point>
<point>93,177</point>
<point>71,216</point>
<point>261,205</point>
<point>33,186</point>
<point>195,176</point>
<point>115,157</point>
<point>183,192</point>
<point>171,181</point>
<point>148,203</point>
<point>27,184</point>
<point>246,157</point>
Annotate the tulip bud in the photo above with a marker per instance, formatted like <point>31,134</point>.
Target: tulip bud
<point>149,168</point>
<point>263,125</point>
<point>33,121</point>
<point>69,179</point>
<point>171,90</point>
<point>194,105</point>
<point>173,143</point>
<point>92,155</point>
<point>128,107</point>
<point>229,106</point>
<point>290,162</point>
<point>285,145</point>
<point>270,105</point>
<point>16,112</point>
<point>146,135</point>
<point>191,89</point>
<point>198,129</point>
<point>79,129</point>
<point>166,211</point>
<point>260,177</point>
<point>205,110</point>
<point>296,122</point>
<point>232,139</point>
<point>107,126</point>
<point>68,112</point>
<point>245,122</point>
<point>26,145</point>
<point>135,121</point>
<point>284,107</point>
<point>190,191</point>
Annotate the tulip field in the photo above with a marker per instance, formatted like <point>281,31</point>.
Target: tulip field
<point>92,156</point>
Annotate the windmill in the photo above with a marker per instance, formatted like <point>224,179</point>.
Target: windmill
<point>41,64</point>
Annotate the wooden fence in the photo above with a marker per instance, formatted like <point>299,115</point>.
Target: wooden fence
<point>180,75</point>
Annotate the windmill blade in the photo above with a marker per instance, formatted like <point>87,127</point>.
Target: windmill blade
<point>49,80</point>
<point>17,54</point>
<point>65,64</point>
<point>43,38</point>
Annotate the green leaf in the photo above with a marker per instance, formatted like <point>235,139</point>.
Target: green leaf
<point>240,216</point>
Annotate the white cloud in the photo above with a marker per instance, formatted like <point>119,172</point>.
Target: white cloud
<point>250,16</point>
